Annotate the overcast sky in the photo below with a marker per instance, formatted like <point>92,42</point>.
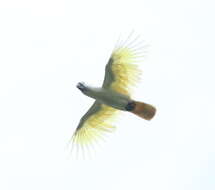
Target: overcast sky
<point>47,46</point>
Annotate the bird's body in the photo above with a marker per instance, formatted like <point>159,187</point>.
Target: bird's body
<point>108,97</point>
<point>113,96</point>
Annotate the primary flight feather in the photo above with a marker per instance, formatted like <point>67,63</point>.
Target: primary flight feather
<point>121,74</point>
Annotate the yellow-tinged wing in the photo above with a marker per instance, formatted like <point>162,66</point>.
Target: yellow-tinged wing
<point>121,75</point>
<point>121,72</point>
<point>98,120</point>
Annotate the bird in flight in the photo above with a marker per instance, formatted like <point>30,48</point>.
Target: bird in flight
<point>114,96</point>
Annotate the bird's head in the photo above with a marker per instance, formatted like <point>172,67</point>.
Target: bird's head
<point>81,86</point>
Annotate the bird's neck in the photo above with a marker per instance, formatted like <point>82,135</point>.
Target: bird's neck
<point>94,92</point>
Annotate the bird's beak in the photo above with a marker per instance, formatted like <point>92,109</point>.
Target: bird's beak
<point>80,86</point>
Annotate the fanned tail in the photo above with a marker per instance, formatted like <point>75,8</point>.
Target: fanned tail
<point>143,110</point>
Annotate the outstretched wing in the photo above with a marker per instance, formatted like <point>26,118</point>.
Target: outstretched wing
<point>121,72</point>
<point>98,119</point>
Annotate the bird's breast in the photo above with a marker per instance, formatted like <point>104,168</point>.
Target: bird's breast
<point>110,98</point>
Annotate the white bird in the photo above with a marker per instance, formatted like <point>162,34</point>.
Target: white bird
<point>121,74</point>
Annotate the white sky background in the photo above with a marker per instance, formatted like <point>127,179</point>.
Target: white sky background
<point>47,46</point>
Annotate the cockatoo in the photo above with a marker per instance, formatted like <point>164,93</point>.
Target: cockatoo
<point>121,74</point>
